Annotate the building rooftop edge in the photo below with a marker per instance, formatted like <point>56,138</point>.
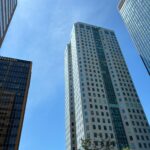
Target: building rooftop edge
<point>93,26</point>
<point>14,59</point>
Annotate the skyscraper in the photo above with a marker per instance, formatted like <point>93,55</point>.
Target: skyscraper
<point>7,8</point>
<point>14,84</point>
<point>101,100</point>
<point>135,14</point>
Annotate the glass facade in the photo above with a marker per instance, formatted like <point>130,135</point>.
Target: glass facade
<point>7,8</point>
<point>14,84</point>
<point>135,14</point>
<point>112,100</point>
<point>101,100</point>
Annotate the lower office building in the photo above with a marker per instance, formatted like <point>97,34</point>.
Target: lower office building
<point>14,84</point>
<point>101,100</point>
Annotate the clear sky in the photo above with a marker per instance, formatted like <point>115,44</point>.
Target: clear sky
<point>39,32</point>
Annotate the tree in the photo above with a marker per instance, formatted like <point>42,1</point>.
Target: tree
<point>105,144</point>
<point>86,144</point>
<point>127,148</point>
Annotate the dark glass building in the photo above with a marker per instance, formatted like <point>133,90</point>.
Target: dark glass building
<point>136,15</point>
<point>7,8</point>
<point>14,84</point>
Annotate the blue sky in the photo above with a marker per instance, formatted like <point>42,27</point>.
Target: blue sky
<point>39,32</point>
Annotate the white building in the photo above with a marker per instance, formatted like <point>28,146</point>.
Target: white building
<point>101,100</point>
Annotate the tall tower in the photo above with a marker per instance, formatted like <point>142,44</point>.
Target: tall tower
<point>14,84</point>
<point>7,8</point>
<point>135,14</point>
<point>100,92</point>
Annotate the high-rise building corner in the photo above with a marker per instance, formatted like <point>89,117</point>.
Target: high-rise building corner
<point>135,14</point>
<point>7,9</point>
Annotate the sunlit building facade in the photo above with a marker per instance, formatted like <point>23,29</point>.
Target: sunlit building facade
<point>135,14</point>
<point>101,100</point>
<point>7,8</point>
<point>69,104</point>
<point>14,84</point>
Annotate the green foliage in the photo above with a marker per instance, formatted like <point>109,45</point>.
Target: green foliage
<point>126,148</point>
<point>106,144</point>
<point>86,144</point>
